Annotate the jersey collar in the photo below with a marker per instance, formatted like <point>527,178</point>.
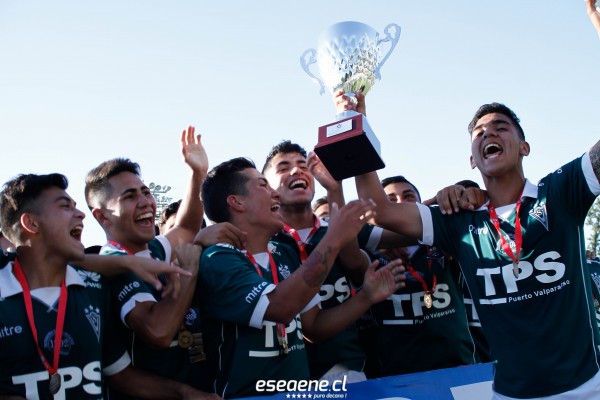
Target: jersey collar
<point>9,286</point>
<point>529,190</point>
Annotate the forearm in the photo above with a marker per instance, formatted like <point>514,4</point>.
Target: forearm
<point>191,210</point>
<point>107,266</point>
<point>331,321</point>
<point>354,262</point>
<point>158,322</point>
<point>295,292</point>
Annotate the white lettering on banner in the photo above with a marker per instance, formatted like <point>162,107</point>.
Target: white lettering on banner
<point>71,377</point>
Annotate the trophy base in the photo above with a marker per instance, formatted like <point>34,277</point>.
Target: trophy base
<point>349,148</point>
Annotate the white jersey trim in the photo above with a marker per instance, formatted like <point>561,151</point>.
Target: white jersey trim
<point>590,176</point>
<point>10,286</point>
<point>427,223</point>
<point>374,239</point>
<point>117,366</point>
<point>130,304</point>
<point>256,320</point>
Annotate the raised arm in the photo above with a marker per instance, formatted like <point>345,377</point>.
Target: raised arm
<point>189,217</point>
<point>354,261</point>
<point>594,14</point>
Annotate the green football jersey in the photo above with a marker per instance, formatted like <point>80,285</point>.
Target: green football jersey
<point>541,325</point>
<point>89,348</point>
<point>412,337</point>
<point>242,348</point>
<point>175,362</point>
<point>343,348</point>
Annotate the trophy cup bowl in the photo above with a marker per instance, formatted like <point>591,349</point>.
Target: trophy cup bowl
<point>349,58</point>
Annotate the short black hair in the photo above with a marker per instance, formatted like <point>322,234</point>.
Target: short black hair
<point>97,187</point>
<point>496,108</point>
<point>284,147</point>
<point>169,210</point>
<point>222,181</point>
<point>467,183</point>
<point>399,179</point>
<point>19,196</point>
<point>319,202</point>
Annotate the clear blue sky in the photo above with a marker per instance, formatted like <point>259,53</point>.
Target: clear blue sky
<point>85,81</point>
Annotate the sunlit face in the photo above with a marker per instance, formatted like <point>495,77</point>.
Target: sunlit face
<point>168,224</point>
<point>496,145</point>
<point>129,212</point>
<point>60,223</point>
<point>289,175</point>
<point>401,192</point>
<point>261,202</point>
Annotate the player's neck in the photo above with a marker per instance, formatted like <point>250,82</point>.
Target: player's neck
<point>505,190</point>
<point>41,268</point>
<point>257,243</point>
<point>128,245</point>
<point>298,216</point>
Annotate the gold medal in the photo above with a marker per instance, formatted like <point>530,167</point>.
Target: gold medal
<point>55,382</point>
<point>196,351</point>
<point>428,300</point>
<point>185,339</point>
<point>516,269</point>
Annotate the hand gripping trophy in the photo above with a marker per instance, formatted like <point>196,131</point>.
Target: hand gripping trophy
<point>349,58</point>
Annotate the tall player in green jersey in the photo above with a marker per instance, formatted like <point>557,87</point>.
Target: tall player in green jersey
<point>522,255</point>
<point>164,334</point>
<point>258,302</point>
<point>57,336</point>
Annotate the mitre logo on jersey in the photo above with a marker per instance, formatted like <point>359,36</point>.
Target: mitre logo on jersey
<point>93,316</point>
<point>65,346</point>
<point>191,317</point>
<point>91,279</point>
<point>539,213</point>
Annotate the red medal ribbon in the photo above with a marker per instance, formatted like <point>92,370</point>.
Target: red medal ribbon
<point>302,245</point>
<point>280,327</point>
<point>518,232</point>
<point>420,279</point>
<point>119,246</point>
<point>60,318</point>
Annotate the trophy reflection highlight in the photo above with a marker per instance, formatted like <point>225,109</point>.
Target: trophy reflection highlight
<point>349,58</point>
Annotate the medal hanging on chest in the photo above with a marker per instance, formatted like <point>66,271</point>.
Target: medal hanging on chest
<point>518,235</point>
<point>428,296</point>
<point>196,350</point>
<point>281,333</point>
<point>185,338</point>
<point>55,378</point>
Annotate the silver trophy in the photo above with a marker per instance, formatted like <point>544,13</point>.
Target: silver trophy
<point>349,58</point>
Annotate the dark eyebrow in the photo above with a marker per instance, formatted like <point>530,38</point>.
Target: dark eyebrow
<point>495,122</point>
<point>65,198</point>
<point>128,191</point>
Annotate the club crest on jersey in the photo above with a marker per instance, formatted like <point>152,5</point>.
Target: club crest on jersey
<point>91,279</point>
<point>93,316</point>
<point>65,346</point>
<point>273,249</point>
<point>511,243</point>
<point>539,213</point>
<point>191,316</point>
<point>284,270</point>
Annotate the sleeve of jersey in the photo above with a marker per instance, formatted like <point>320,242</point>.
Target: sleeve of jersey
<point>369,237</point>
<point>575,184</point>
<point>166,247</point>
<point>127,290</point>
<point>233,290</point>
<point>439,229</point>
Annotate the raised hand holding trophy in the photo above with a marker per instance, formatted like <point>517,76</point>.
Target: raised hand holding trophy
<point>350,59</point>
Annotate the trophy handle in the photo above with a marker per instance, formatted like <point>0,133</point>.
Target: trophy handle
<point>306,60</point>
<point>388,37</point>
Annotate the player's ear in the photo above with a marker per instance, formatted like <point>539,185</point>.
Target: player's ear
<point>472,161</point>
<point>524,148</point>
<point>235,202</point>
<point>29,223</point>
